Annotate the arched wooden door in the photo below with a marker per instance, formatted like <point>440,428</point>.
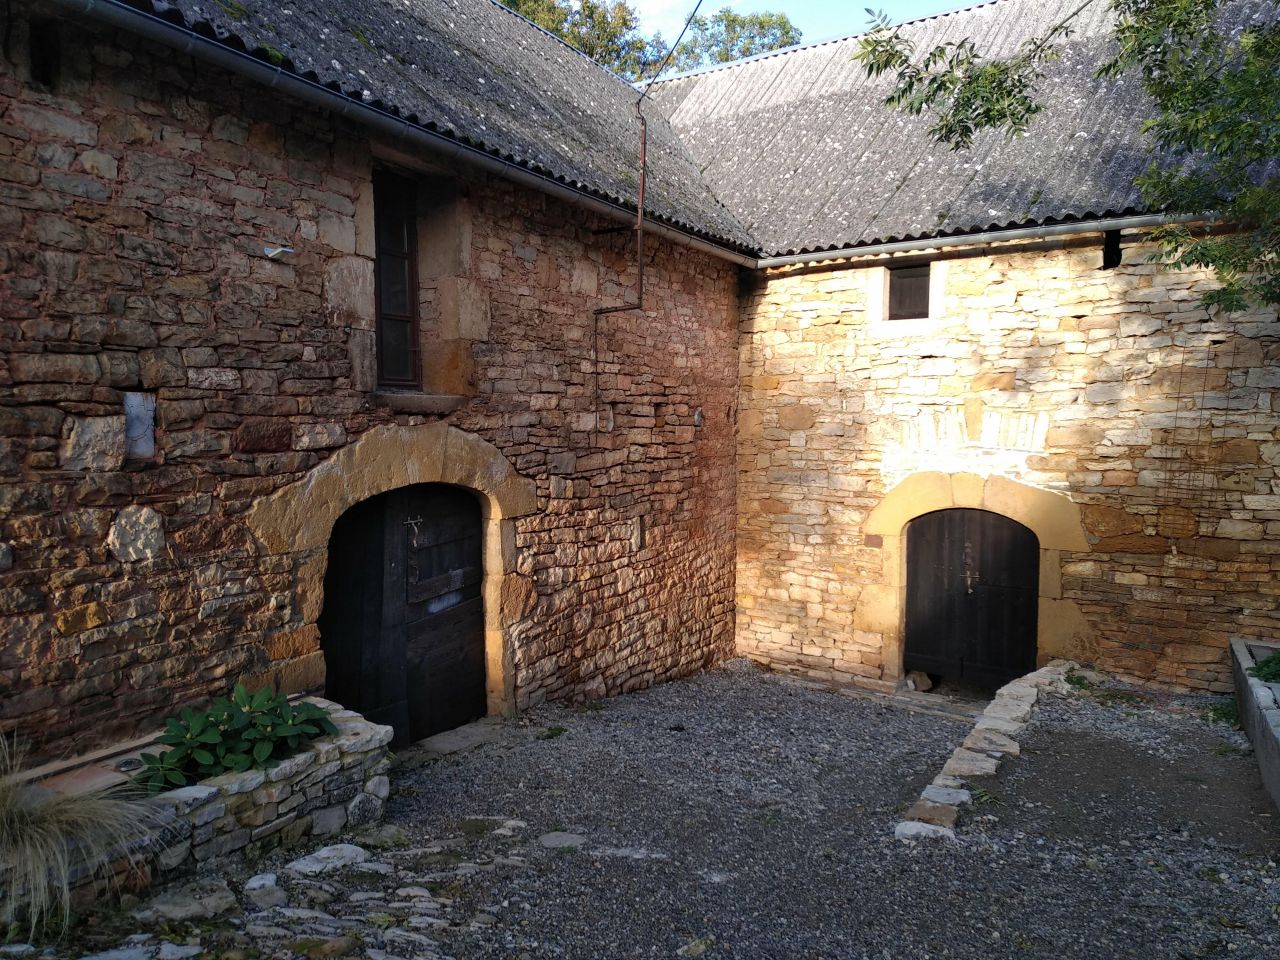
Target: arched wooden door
<point>972,587</point>
<point>403,622</point>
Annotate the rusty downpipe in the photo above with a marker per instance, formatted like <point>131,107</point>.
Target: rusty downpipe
<point>639,228</point>
<point>639,301</point>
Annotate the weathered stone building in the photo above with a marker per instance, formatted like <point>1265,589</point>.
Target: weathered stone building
<point>255,290</point>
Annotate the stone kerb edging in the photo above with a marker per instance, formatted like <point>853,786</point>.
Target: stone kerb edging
<point>989,742</point>
<point>1259,708</point>
<point>336,782</point>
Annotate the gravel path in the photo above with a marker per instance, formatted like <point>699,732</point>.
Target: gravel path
<point>740,815</point>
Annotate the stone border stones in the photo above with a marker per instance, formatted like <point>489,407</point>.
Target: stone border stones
<point>1259,705</point>
<point>989,742</point>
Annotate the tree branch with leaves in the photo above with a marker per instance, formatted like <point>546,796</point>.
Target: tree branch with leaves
<point>1214,126</point>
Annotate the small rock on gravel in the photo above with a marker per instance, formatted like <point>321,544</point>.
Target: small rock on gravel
<point>329,858</point>
<point>559,840</point>
<point>265,892</point>
<point>193,901</point>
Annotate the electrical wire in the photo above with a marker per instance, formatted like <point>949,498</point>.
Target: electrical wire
<point>670,53</point>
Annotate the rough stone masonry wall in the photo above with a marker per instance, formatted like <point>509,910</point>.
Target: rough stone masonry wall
<point>135,201</point>
<point>1040,369</point>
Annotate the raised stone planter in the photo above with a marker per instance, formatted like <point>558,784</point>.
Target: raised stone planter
<point>1259,705</point>
<point>336,782</point>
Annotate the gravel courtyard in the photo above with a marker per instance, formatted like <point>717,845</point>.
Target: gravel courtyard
<point>739,814</point>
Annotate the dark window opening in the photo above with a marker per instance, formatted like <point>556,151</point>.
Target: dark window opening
<point>908,292</point>
<point>396,282</point>
<point>1111,250</point>
<point>45,54</point>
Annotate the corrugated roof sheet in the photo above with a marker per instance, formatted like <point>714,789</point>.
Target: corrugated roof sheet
<point>480,74</point>
<point>801,148</point>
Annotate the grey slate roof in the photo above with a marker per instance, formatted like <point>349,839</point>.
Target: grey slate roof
<point>480,74</point>
<point>800,146</point>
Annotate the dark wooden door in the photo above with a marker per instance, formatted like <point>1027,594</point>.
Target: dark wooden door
<point>972,588</point>
<point>403,621</point>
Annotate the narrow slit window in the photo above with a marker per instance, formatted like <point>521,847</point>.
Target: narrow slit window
<point>396,227</point>
<point>1111,250</point>
<point>908,292</point>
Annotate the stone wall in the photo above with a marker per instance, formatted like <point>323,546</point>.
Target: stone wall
<point>136,199</point>
<point>1038,373</point>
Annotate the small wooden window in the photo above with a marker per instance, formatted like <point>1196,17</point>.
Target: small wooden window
<point>1111,250</point>
<point>908,292</point>
<point>396,226</point>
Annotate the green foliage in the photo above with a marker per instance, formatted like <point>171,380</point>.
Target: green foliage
<point>247,730</point>
<point>1079,682</point>
<point>1225,712</point>
<point>608,31</point>
<point>1268,670</point>
<point>46,836</point>
<point>726,36</point>
<point>985,797</point>
<point>1215,122</point>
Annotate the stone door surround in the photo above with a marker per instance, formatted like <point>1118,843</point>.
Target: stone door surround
<point>1054,518</point>
<point>297,520</point>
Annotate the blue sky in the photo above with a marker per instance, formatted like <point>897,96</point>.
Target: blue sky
<point>819,19</point>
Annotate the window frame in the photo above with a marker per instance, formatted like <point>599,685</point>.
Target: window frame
<point>918,271</point>
<point>401,201</point>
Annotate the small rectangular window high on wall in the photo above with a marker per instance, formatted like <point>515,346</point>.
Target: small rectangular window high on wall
<point>1111,254</point>
<point>396,226</point>
<point>909,292</point>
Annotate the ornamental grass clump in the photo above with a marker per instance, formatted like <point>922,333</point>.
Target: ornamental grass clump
<point>233,735</point>
<point>48,838</point>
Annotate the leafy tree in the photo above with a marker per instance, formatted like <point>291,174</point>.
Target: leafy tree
<point>608,31</point>
<point>727,36</point>
<point>1214,128</point>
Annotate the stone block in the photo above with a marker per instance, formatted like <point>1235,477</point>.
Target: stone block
<point>328,820</point>
<point>137,533</point>
<point>464,309</point>
<point>929,811</point>
<point>93,443</point>
<point>364,808</point>
<point>912,830</point>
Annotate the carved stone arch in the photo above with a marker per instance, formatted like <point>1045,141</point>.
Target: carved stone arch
<point>1054,518</point>
<point>297,521</point>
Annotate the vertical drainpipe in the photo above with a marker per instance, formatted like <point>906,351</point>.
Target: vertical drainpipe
<point>639,303</point>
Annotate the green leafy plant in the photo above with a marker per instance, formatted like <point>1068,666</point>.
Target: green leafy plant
<point>47,837</point>
<point>986,797</point>
<point>1225,712</point>
<point>247,730</point>
<point>1268,670</point>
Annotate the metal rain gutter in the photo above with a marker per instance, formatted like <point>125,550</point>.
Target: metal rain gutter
<point>974,239</point>
<point>148,25</point>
